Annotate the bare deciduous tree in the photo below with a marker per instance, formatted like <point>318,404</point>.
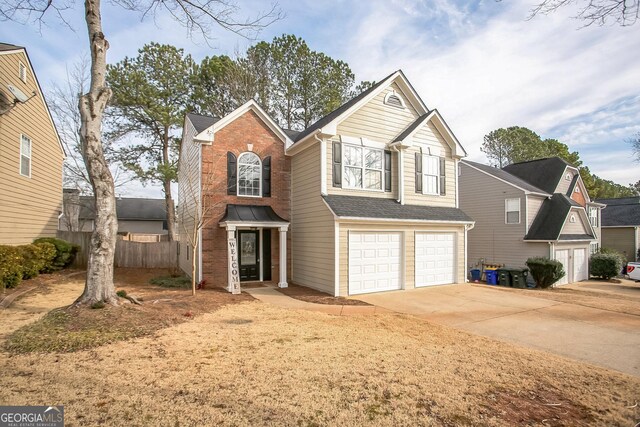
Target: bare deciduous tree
<point>598,12</point>
<point>197,16</point>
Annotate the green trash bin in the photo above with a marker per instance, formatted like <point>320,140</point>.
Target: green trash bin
<point>504,278</point>
<point>519,277</point>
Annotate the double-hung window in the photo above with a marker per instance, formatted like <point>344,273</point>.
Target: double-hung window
<point>512,211</point>
<point>430,175</point>
<point>25,156</point>
<point>363,167</point>
<point>249,175</point>
<point>593,216</point>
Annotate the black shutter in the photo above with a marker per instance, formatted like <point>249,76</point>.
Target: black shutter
<point>443,178</point>
<point>418,173</point>
<point>266,177</point>
<point>232,174</point>
<point>337,164</point>
<point>387,171</point>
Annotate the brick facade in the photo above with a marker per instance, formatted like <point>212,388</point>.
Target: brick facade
<point>236,138</point>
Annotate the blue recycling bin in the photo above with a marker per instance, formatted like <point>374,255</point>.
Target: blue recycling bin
<point>492,277</point>
<point>475,274</point>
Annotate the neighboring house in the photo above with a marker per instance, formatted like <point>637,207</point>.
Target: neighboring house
<point>621,225</point>
<point>530,209</point>
<point>367,196</point>
<point>135,215</point>
<point>31,154</point>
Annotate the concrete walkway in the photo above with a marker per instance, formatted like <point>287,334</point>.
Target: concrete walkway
<point>275,297</point>
<point>601,337</point>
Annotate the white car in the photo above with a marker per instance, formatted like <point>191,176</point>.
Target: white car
<point>633,271</point>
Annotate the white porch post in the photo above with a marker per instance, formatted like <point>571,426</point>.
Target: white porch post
<point>233,273</point>
<point>283,257</point>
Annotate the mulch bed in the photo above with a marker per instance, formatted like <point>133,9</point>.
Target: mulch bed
<point>303,293</point>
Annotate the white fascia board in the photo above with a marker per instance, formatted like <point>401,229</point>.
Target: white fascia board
<point>442,126</point>
<point>619,226</point>
<point>302,145</point>
<point>506,182</point>
<point>208,134</point>
<point>403,221</point>
<point>256,224</point>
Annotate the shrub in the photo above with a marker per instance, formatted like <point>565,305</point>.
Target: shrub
<point>47,253</point>
<point>121,293</point>
<point>605,265</point>
<point>10,266</point>
<point>32,262</point>
<point>171,282</point>
<point>545,271</point>
<point>65,253</point>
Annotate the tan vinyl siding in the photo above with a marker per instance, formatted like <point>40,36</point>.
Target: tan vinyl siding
<point>577,227</point>
<point>563,185</point>
<point>188,195</point>
<point>312,225</point>
<point>429,138</point>
<point>621,239</point>
<point>29,207</point>
<point>534,205</point>
<point>483,198</point>
<point>378,121</point>
<point>408,257</point>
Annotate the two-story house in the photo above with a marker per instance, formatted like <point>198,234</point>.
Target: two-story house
<point>31,154</point>
<point>370,192</point>
<point>538,208</point>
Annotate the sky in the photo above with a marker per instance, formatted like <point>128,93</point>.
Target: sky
<point>482,64</point>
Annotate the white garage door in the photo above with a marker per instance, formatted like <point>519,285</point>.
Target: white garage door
<point>563,257</point>
<point>374,262</point>
<point>435,259</point>
<point>580,268</point>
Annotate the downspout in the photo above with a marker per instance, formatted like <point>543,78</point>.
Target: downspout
<point>200,216</point>
<point>635,241</point>
<point>467,227</point>
<point>397,147</point>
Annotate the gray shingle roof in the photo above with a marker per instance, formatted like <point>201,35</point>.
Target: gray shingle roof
<point>128,209</point>
<point>542,173</point>
<point>375,208</point>
<point>338,111</point>
<point>550,218</point>
<point>251,213</point>
<point>8,46</point>
<point>505,176</point>
<point>201,122</point>
<point>621,201</point>
<point>575,237</point>
<point>621,215</point>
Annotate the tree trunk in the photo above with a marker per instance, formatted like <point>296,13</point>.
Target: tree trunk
<point>99,284</point>
<point>171,213</point>
<point>194,251</point>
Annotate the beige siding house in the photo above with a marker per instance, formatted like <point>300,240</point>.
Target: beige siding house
<point>31,154</point>
<point>367,195</point>
<point>621,226</point>
<point>530,209</point>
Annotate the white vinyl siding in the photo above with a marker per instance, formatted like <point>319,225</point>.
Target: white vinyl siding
<point>363,167</point>
<point>512,211</point>
<point>25,156</point>
<point>430,175</point>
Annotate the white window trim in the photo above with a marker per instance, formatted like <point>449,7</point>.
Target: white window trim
<point>22,154</point>
<point>22,71</point>
<point>396,94</point>
<point>506,203</point>
<point>424,174</point>
<point>238,177</point>
<point>593,217</point>
<point>344,166</point>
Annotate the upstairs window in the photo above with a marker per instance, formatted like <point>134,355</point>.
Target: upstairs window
<point>25,156</point>
<point>512,211</point>
<point>22,72</point>
<point>363,167</point>
<point>430,175</point>
<point>249,175</point>
<point>593,216</point>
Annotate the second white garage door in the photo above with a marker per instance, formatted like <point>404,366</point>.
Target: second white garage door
<point>435,259</point>
<point>374,262</point>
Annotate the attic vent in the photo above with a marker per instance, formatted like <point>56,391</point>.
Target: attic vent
<point>572,218</point>
<point>577,190</point>
<point>394,100</point>
<point>567,177</point>
<point>22,72</point>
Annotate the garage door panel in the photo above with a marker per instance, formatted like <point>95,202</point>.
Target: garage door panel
<point>435,259</point>
<point>562,255</point>
<point>374,262</point>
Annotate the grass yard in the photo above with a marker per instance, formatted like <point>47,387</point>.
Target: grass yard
<point>250,363</point>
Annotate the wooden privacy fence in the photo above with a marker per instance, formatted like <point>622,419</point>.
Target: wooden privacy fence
<point>128,254</point>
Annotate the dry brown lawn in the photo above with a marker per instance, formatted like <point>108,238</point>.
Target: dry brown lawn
<point>251,364</point>
<point>311,295</point>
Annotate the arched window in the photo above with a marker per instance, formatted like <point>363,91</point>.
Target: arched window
<point>249,175</point>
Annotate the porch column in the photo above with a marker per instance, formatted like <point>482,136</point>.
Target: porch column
<point>283,257</point>
<point>233,274</point>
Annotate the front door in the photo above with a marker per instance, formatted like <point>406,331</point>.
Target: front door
<point>249,255</point>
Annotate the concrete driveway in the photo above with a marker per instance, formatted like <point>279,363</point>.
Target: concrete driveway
<point>606,338</point>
